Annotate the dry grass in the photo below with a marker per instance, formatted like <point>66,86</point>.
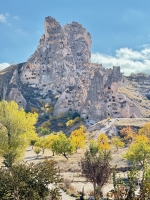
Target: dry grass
<point>133,91</point>
<point>139,122</point>
<point>128,93</point>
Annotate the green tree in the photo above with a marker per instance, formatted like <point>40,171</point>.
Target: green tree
<point>93,147</point>
<point>40,142</point>
<point>37,150</point>
<point>49,140</point>
<point>29,181</point>
<point>16,131</point>
<point>43,131</point>
<point>116,141</point>
<point>62,145</point>
<point>139,151</point>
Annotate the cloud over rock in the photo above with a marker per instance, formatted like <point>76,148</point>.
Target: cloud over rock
<point>128,59</point>
<point>4,65</point>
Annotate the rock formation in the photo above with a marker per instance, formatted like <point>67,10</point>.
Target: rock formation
<point>60,72</point>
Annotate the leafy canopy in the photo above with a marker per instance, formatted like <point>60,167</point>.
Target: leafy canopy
<point>116,141</point>
<point>29,181</point>
<point>145,130</point>
<point>139,151</point>
<point>103,143</point>
<point>16,131</point>
<point>78,138</point>
<point>62,145</point>
<point>128,134</point>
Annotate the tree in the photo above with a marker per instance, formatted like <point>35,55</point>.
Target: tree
<point>49,140</point>
<point>128,134</point>
<point>37,150</point>
<point>16,131</point>
<point>139,151</point>
<point>32,143</point>
<point>103,143</point>
<point>93,148</point>
<point>43,131</point>
<point>60,125</point>
<point>145,130</point>
<point>62,145</point>
<point>78,138</point>
<point>128,189</point>
<point>46,124</point>
<point>29,181</point>
<point>97,170</point>
<point>117,142</point>
<point>40,142</point>
<point>72,122</point>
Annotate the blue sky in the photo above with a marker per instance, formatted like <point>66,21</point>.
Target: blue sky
<point>120,29</point>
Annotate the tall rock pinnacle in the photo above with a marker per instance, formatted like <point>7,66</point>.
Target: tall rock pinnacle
<point>60,71</point>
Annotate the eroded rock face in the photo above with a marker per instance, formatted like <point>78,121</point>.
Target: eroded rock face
<point>61,67</point>
<point>16,95</point>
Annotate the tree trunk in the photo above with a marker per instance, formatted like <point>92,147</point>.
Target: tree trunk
<point>64,154</point>
<point>94,185</point>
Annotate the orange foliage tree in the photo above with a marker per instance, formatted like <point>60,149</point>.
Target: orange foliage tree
<point>127,133</point>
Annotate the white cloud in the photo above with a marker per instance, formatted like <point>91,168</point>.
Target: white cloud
<point>128,59</point>
<point>20,31</point>
<point>16,17</point>
<point>4,65</point>
<point>3,18</point>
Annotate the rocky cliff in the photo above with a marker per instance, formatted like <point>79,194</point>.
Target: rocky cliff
<point>60,72</point>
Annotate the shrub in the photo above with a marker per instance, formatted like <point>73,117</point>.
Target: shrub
<point>29,181</point>
<point>60,124</point>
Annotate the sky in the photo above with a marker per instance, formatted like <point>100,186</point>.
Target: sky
<point>120,29</point>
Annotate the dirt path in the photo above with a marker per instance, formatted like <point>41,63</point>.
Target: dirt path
<point>66,196</point>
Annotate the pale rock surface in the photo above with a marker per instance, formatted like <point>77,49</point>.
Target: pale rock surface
<point>60,70</point>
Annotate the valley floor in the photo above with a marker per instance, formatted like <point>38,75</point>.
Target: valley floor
<point>70,169</point>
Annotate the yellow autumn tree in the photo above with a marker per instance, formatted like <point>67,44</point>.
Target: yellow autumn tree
<point>145,130</point>
<point>16,131</point>
<point>71,122</point>
<point>139,151</point>
<point>103,142</point>
<point>116,141</point>
<point>40,142</point>
<point>49,140</point>
<point>78,138</point>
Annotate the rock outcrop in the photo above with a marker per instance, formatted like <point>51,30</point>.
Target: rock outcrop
<point>60,72</point>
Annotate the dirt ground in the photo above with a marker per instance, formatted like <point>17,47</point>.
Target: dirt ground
<point>70,169</point>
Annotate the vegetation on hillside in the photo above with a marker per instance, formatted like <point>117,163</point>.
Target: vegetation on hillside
<point>19,180</point>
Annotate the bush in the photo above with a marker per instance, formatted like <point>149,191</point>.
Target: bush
<point>71,122</point>
<point>59,124</point>
<point>29,181</point>
<point>46,124</point>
